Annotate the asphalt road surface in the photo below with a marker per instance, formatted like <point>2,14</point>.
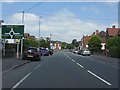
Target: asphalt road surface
<point>64,70</point>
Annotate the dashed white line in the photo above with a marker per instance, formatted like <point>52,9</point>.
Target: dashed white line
<point>99,78</point>
<point>15,86</point>
<point>73,60</point>
<point>37,67</point>
<point>79,65</point>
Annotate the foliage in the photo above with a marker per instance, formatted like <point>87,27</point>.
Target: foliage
<point>34,43</point>
<point>30,43</point>
<point>113,45</point>
<point>95,44</point>
<point>74,42</point>
<point>70,46</point>
<point>64,45</point>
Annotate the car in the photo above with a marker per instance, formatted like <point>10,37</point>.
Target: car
<point>51,51</point>
<point>44,52</point>
<point>79,52</point>
<point>31,53</point>
<point>85,52</point>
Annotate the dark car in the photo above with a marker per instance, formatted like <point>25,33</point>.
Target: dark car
<point>31,53</point>
<point>44,51</point>
<point>51,51</point>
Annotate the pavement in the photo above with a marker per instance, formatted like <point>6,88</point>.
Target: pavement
<point>10,63</point>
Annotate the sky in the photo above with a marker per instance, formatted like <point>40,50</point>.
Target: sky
<point>64,20</point>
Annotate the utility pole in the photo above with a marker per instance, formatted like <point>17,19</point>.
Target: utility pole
<point>22,37</point>
<point>23,16</point>
<point>50,41</point>
<point>39,33</point>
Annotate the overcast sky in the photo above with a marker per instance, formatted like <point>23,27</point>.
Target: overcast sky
<point>64,20</point>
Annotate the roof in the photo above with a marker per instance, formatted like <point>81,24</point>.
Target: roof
<point>113,31</point>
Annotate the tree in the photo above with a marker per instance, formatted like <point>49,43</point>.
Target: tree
<point>70,46</point>
<point>95,44</point>
<point>113,45</point>
<point>64,45</point>
<point>30,43</point>
<point>74,42</point>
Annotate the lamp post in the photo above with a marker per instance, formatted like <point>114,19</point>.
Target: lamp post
<point>50,41</point>
<point>39,33</point>
<point>23,36</point>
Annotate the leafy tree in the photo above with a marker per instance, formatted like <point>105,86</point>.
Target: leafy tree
<point>64,45</point>
<point>113,45</point>
<point>74,42</point>
<point>95,44</point>
<point>70,46</point>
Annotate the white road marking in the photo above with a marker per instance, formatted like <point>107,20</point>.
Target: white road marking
<point>79,65</point>
<point>37,67</point>
<point>99,78</point>
<point>15,86</point>
<point>73,60</point>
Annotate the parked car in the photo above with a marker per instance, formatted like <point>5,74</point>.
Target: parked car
<point>79,52</point>
<point>31,53</point>
<point>85,52</point>
<point>51,51</point>
<point>44,52</point>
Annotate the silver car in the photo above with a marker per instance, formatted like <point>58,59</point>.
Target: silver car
<point>85,52</point>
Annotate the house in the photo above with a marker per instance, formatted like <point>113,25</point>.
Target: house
<point>32,37</point>
<point>85,41</point>
<point>110,32</point>
<point>28,36</point>
<point>56,45</point>
<point>102,35</point>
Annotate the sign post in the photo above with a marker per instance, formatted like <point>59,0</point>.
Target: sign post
<point>14,31</point>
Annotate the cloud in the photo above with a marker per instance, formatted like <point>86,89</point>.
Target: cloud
<point>91,9</point>
<point>63,25</point>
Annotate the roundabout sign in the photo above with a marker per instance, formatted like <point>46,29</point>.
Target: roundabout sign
<point>12,31</point>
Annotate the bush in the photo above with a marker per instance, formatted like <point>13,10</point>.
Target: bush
<point>114,51</point>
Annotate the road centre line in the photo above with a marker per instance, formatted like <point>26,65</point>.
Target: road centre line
<point>70,58</point>
<point>15,86</point>
<point>99,78</point>
<point>37,66</point>
<point>79,65</point>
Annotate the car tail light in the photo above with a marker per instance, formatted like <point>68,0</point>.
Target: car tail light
<point>35,52</point>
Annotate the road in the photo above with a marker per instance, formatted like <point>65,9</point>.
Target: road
<point>64,70</point>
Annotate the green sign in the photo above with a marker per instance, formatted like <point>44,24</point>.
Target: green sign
<point>12,31</point>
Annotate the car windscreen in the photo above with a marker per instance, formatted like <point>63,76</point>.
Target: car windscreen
<point>31,50</point>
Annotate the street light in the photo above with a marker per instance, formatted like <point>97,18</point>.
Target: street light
<point>39,33</point>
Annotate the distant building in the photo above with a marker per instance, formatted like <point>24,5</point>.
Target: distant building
<point>28,36</point>
<point>56,45</point>
<point>32,37</point>
<point>102,35</point>
<point>85,41</point>
<point>110,32</point>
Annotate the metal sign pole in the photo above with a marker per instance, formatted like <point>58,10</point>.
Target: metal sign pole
<point>21,46</point>
<point>4,49</point>
<point>18,41</point>
<point>17,50</point>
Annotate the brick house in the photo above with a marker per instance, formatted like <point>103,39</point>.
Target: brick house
<point>28,36</point>
<point>84,41</point>
<point>110,32</point>
<point>56,45</point>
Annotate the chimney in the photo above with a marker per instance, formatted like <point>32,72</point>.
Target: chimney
<point>97,32</point>
<point>113,26</point>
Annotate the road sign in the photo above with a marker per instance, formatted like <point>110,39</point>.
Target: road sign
<point>12,31</point>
